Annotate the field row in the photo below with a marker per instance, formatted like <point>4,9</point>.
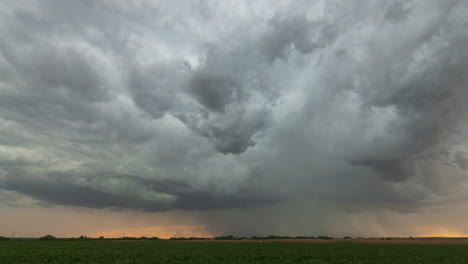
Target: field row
<point>229,252</point>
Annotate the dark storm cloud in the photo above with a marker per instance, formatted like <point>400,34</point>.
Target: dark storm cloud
<point>392,168</point>
<point>153,87</point>
<point>233,135</point>
<point>109,190</point>
<point>17,162</point>
<point>214,92</point>
<point>231,101</point>
<point>397,11</point>
<point>57,73</point>
<point>461,158</point>
<point>296,32</point>
<point>327,106</point>
<point>431,101</point>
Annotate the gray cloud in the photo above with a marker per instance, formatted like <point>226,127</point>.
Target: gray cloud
<point>214,92</point>
<point>231,133</point>
<point>397,11</point>
<point>345,106</point>
<point>393,168</point>
<point>154,87</point>
<point>430,101</point>
<point>461,158</point>
<point>110,190</point>
<point>297,32</point>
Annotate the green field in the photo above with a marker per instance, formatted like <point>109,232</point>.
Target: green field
<point>224,252</point>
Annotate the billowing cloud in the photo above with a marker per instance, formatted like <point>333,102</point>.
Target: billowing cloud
<point>235,109</point>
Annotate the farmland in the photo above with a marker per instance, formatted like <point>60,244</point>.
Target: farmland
<point>226,252</point>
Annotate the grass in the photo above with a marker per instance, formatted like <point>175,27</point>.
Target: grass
<point>224,252</point>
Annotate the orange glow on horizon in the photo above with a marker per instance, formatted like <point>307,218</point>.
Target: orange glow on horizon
<point>157,231</point>
<point>444,232</point>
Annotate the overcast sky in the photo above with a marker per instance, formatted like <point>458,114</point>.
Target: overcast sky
<point>246,117</point>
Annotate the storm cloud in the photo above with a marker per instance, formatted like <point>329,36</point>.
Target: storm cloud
<point>314,108</point>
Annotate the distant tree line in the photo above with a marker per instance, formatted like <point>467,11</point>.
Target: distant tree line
<point>135,238</point>
<point>225,237</point>
<point>47,238</point>
<point>230,237</point>
<point>85,238</point>
<point>289,237</point>
<point>189,238</point>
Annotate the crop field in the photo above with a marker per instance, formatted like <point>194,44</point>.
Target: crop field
<point>226,252</point>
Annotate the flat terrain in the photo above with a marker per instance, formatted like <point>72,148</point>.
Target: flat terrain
<point>228,252</point>
<point>415,241</point>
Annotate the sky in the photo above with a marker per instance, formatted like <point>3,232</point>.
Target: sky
<point>204,118</point>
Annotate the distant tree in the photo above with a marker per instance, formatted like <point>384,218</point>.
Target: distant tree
<point>143,238</point>
<point>346,237</point>
<point>187,238</point>
<point>47,237</point>
<point>229,237</point>
<point>153,238</point>
<point>128,238</point>
<point>4,238</point>
<point>277,237</point>
<point>101,238</point>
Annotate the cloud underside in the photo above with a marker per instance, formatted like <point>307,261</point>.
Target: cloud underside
<point>155,106</point>
<point>125,191</point>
